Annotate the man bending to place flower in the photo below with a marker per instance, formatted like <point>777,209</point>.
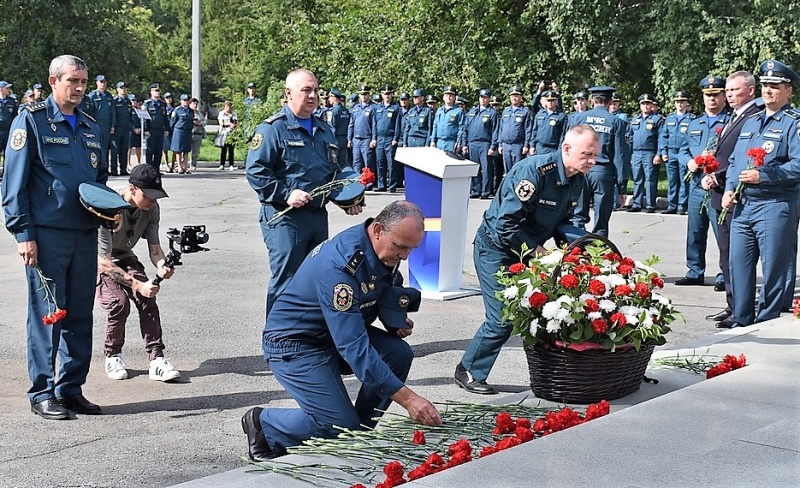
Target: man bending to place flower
<point>534,204</point>
<point>320,328</point>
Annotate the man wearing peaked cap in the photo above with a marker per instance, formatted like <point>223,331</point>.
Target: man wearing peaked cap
<point>404,101</point>
<point>549,125</point>
<point>645,135</point>
<point>578,105</point>
<point>361,131</point>
<point>479,143</point>
<point>8,110</point>
<point>251,98</point>
<point>157,128</point>
<point>765,215</point>
<point>515,130</point>
<point>448,123</point>
<point>338,117</point>
<point>122,278</point>
<point>418,122</point>
<point>120,141</point>
<point>611,168</point>
<point>104,112</point>
<point>37,92</point>
<point>496,161</point>
<point>388,134</point>
<point>675,134</point>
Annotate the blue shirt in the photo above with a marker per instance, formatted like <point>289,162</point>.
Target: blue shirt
<point>329,304</point>
<point>418,123</point>
<point>123,109</point>
<point>362,122</point>
<point>675,132</point>
<point>103,108</point>
<point>448,124</point>
<point>338,118</point>
<point>159,120</point>
<point>549,128</point>
<point>388,122</point>
<point>480,126</point>
<point>8,110</point>
<point>645,133</point>
<point>515,126</point>
<point>701,135</point>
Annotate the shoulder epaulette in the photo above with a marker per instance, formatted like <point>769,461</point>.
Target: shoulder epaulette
<point>354,262</point>
<point>276,116</point>
<point>793,113</point>
<point>35,106</point>
<point>547,168</point>
<point>87,115</point>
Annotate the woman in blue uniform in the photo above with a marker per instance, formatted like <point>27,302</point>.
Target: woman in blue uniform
<point>181,123</point>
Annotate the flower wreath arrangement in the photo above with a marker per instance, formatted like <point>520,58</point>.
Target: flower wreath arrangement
<point>585,299</point>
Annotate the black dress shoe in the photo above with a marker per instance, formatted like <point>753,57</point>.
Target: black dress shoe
<point>650,210</point>
<point>726,323</point>
<point>721,315</point>
<point>719,286</point>
<point>50,409</point>
<point>465,380</point>
<point>79,404</point>
<point>670,211</point>
<point>690,281</point>
<point>634,209</point>
<point>257,447</point>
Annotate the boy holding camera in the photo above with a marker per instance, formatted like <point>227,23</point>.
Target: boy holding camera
<point>122,279</point>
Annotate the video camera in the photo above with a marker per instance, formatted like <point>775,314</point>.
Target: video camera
<point>189,239</point>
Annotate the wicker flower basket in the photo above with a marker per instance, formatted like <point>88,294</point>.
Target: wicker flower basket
<point>568,376</point>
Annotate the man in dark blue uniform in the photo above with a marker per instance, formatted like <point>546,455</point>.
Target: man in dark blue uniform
<point>514,130</point>
<point>54,148</point>
<point>291,154</point>
<point>533,205</point>
<point>418,122</point>
<point>479,143</point>
<point>105,113</point>
<point>448,123</point>
<point>8,110</point>
<point>388,131</point>
<point>674,135</point>
<point>578,105</point>
<point>121,140</point>
<point>644,133</point>
<point>321,328</point>
<point>498,169</point>
<point>702,138</point>
<point>549,125</point>
<point>338,117</point>
<point>157,128</point>
<point>361,131</point>
<point>765,215</point>
<point>611,166</point>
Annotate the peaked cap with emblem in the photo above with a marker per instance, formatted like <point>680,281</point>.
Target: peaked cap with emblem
<point>395,303</point>
<point>351,194</point>
<point>646,98</point>
<point>364,89</point>
<point>449,90</point>
<point>712,84</point>
<point>419,92</point>
<point>432,99</point>
<point>516,90</point>
<point>602,91</point>
<point>680,96</point>
<point>773,71</point>
<point>102,201</point>
<point>550,95</point>
<point>387,89</point>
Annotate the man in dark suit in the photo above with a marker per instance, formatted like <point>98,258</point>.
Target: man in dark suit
<point>740,89</point>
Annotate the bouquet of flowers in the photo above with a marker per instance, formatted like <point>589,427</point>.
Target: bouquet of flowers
<point>585,299</point>
<point>706,157</point>
<point>756,155</point>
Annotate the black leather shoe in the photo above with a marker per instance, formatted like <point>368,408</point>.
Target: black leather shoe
<point>50,409</point>
<point>650,210</point>
<point>721,315</point>
<point>726,323</point>
<point>257,447</point>
<point>79,404</point>
<point>465,380</point>
<point>634,209</point>
<point>690,282</point>
<point>719,286</point>
<point>670,211</point>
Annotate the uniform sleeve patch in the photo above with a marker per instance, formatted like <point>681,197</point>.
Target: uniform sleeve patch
<point>18,139</point>
<point>546,168</point>
<point>255,144</point>
<point>342,297</point>
<point>525,190</point>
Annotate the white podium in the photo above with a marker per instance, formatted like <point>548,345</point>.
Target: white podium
<point>439,184</point>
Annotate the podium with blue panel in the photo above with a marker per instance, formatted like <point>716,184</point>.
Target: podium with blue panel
<point>439,184</point>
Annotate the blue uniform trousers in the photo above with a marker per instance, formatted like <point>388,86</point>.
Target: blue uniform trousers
<point>106,137</point>
<point>697,230</point>
<point>155,144</point>
<point>675,183</point>
<point>312,375</point>
<point>69,259</point>
<point>363,156</point>
<point>119,151</point>
<point>482,351</point>
<point>289,240</point>
<point>511,154</point>
<point>763,229</point>
<point>723,235</point>
<point>384,155</point>
<point>414,141</point>
<point>3,141</point>
<point>481,184</point>
<point>600,190</point>
<point>344,152</point>
<point>645,179</point>
<point>446,144</point>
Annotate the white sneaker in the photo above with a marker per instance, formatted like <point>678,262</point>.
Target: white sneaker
<point>115,368</point>
<point>162,370</point>
<point>221,167</point>
<point>231,168</point>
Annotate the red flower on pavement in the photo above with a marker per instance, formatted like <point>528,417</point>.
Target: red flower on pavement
<point>516,268</point>
<point>729,363</point>
<point>523,422</point>
<point>597,287</point>
<point>569,281</point>
<point>461,446</point>
<point>505,425</point>
<point>357,485</point>
<point>418,438</point>
<point>537,299</point>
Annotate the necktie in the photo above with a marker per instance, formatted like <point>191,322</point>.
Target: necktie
<point>730,123</point>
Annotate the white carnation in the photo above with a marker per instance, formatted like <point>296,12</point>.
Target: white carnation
<point>616,280</point>
<point>595,315</point>
<point>553,326</point>
<point>607,305</point>
<point>550,310</point>
<point>510,292</point>
<point>552,258</point>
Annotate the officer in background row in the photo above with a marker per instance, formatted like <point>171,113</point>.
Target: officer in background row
<point>479,143</point>
<point>120,142</point>
<point>38,93</point>
<point>621,188</point>
<point>614,107</point>
<point>418,122</point>
<point>514,130</point>
<point>552,90</point>
<point>388,131</point>
<point>104,112</point>
<point>448,123</point>
<point>52,150</point>
<point>403,100</point>
<point>432,101</point>
<point>157,128</point>
<point>533,205</point>
<point>674,135</point>
<point>338,117</point>
<point>578,106</point>
<point>549,125</point>
<point>498,169</point>
<point>702,137</point>
<point>765,215</point>
<point>610,167</point>
<point>644,133</point>
<point>8,110</point>
<point>361,131</point>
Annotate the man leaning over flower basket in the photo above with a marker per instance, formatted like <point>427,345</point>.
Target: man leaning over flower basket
<point>535,203</point>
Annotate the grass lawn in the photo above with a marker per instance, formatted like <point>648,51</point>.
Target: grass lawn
<point>210,153</point>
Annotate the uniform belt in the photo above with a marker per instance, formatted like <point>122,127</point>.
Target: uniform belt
<point>362,137</point>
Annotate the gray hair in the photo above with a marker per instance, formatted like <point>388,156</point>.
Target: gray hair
<point>58,66</point>
<point>398,210</point>
<point>749,79</point>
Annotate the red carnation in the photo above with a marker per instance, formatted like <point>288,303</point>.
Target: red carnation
<point>461,446</point>
<point>418,438</point>
<point>624,269</point>
<point>367,176</point>
<point>540,425</point>
<point>523,422</point>
<point>505,425</point>
<point>622,290</point>
<point>516,268</point>
<point>569,281</point>
<point>718,130</point>
<point>612,256</point>
<point>357,485</point>
<point>486,451</point>
<point>642,290</point>
<point>420,471</point>
<point>593,270</point>
<point>599,326</point>
<point>542,276</point>
<point>572,258</point>
<point>523,434</point>
<point>461,457</point>
<point>717,370</point>
<point>656,281</point>
<point>734,362</point>
<point>618,318</point>
<point>537,299</point>
<point>393,470</point>
<point>592,306</point>
<point>597,288</point>
<point>630,262</point>
<point>757,154</point>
